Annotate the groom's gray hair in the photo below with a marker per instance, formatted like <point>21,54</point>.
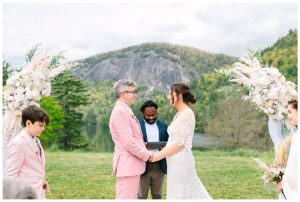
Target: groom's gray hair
<point>123,85</point>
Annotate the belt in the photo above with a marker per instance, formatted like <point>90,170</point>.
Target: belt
<point>153,162</point>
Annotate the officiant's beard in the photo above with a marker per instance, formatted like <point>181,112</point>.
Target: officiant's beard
<point>150,121</point>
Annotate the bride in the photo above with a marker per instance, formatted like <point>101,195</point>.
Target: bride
<point>182,179</point>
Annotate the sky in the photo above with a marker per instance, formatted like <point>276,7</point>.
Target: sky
<point>86,29</point>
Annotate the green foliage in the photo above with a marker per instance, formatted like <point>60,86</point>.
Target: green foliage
<point>54,131</point>
<point>53,148</point>
<point>56,60</point>
<point>221,113</point>
<point>239,125</point>
<point>5,72</point>
<point>96,115</point>
<point>29,55</point>
<point>207,95</point>
<point>225,175</point>
<point>91,123</point>
<point>71,93</point>
<point>284,55</point>
<point>105,139</point>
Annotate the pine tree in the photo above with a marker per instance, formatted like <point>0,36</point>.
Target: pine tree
<point>54,131</point>
<point>71,92</point>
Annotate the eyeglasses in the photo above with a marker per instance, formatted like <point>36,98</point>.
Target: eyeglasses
<point>134,92</point>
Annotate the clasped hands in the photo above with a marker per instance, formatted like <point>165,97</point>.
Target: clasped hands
<point>154,157</point>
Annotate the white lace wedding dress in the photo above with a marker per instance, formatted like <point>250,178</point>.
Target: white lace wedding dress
<point>182,179</point>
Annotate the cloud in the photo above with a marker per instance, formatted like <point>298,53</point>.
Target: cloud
<point>83,30</point>
<point>242,26</point>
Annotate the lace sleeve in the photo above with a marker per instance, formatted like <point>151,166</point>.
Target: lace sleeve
<point>185,128</point>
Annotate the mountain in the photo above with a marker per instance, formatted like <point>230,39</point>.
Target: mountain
<point>155,65</point>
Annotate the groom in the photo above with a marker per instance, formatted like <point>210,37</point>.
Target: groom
<point>130,152</point>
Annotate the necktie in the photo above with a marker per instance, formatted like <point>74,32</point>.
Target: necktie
<point>40,150</point>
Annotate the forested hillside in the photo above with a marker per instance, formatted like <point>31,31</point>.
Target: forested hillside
<point>283,55</point>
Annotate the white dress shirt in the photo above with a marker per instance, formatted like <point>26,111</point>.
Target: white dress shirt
<point>152,133</point>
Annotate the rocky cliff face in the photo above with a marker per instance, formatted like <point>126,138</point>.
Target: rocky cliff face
<point>150,67</point>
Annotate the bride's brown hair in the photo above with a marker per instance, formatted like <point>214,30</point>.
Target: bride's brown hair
<point>184,90</point>
<point>294,103</point>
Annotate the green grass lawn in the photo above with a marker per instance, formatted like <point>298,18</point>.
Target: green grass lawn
<point>226,175</point>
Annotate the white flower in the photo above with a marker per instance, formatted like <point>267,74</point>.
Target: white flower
<point>37,75</point>
<point>270,103</point>
<point>36,94</point>
<point>263,81</point>
<point>268,88</point>
<point>9,81</point>
<point>31,83</point>
<point>273,93</point>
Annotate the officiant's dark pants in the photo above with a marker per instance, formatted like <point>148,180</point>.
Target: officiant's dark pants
<point>154,180</point>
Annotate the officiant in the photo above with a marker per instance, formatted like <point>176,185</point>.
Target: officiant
<point>154,131</point>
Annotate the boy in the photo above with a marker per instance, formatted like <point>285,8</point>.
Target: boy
<point>26,158</point>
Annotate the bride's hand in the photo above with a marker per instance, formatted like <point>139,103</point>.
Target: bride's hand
<point>155,157</point>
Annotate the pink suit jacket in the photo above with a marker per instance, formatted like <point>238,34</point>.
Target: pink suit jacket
<point>130,151</point>
<point>24,162</point>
